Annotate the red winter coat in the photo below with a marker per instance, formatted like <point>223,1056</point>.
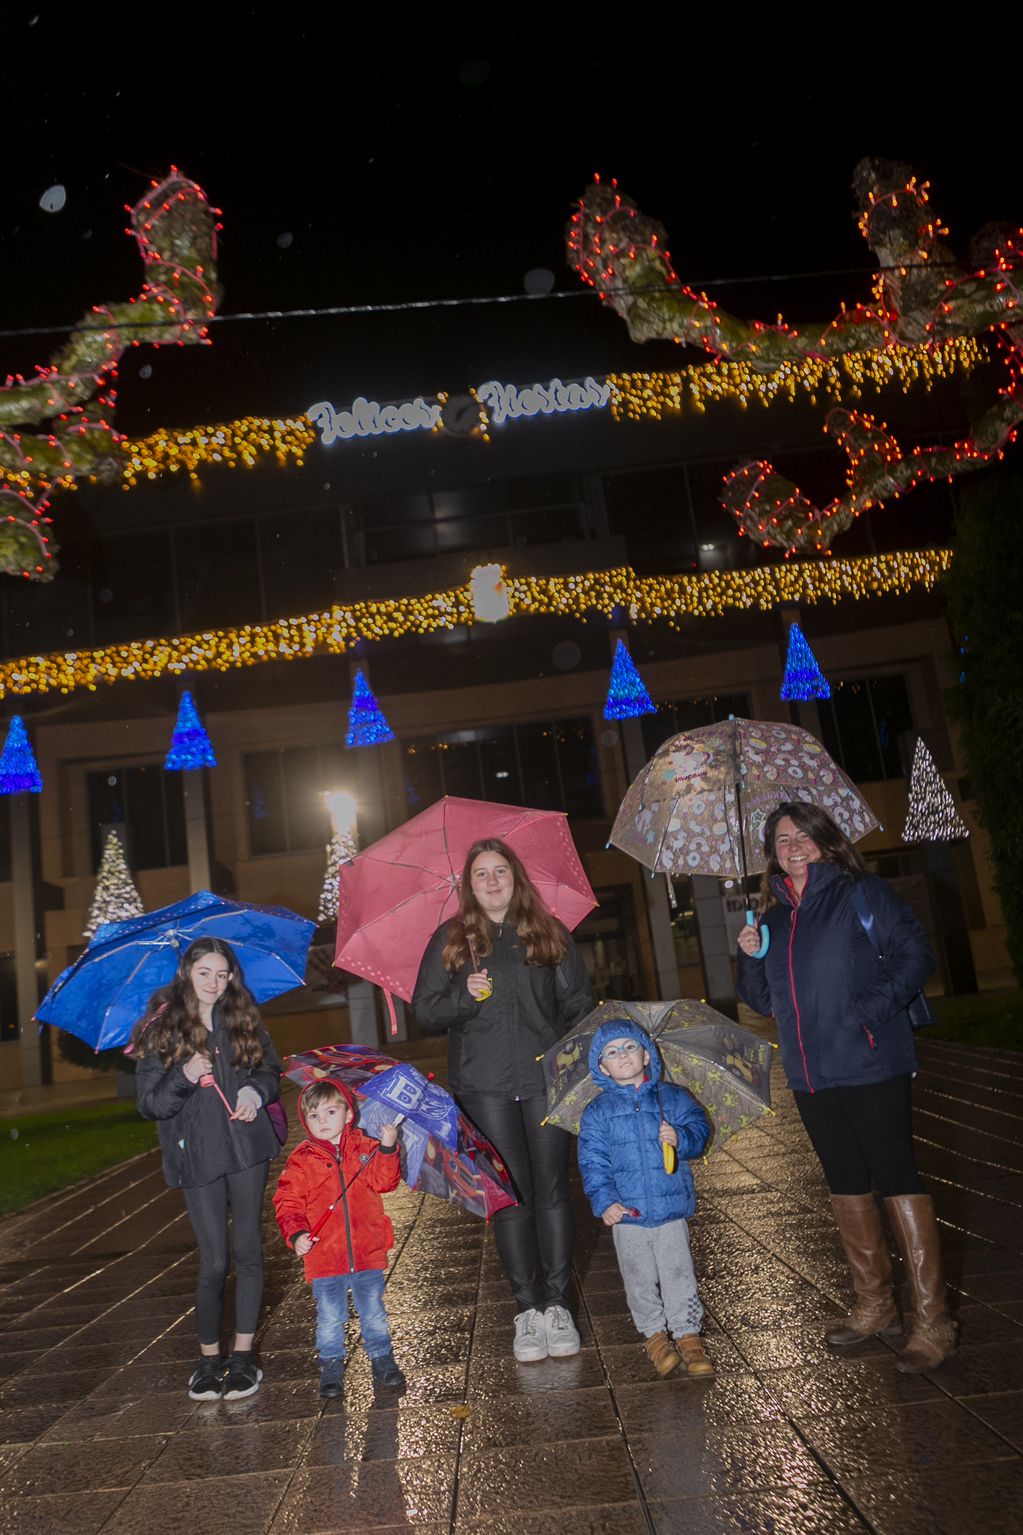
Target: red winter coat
<point>357,1235</point>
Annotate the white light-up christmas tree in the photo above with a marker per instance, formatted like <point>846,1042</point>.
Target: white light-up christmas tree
<point>116,897</point>
<point>932,814</point>
<point>341,849</point>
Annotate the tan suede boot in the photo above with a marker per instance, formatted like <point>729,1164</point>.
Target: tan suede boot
<point>932,1333</point>
<point>661,1353</point>
<point>692,1354</point>
<point>859,1226</point>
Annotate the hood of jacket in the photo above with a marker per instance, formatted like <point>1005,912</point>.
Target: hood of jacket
<point>621,1028</point>
<point>346,1094</point>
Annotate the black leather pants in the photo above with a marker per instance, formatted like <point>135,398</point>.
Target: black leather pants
<point>536,1156</point>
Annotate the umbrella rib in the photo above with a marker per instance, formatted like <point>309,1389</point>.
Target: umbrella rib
<point>121,991</point>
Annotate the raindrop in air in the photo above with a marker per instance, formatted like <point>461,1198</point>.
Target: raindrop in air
<point>53,199</point>
<point>146,370</point>
<point>538,280</point>
<point>285,239</point>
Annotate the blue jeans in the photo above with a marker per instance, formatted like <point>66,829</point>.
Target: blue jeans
<point>331,1295</point>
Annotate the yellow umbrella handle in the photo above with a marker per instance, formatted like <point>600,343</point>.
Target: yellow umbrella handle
<point>670,1159</point>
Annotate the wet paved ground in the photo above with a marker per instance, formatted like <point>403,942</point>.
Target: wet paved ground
<point>97,1433</point>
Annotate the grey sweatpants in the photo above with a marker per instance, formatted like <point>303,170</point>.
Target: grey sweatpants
<point>660,1282</point>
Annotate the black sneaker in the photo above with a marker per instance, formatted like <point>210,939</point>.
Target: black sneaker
<point>242,1378</point>
<point>385,1370</point>
<point>207,1382</point>
<point>332,1377</point>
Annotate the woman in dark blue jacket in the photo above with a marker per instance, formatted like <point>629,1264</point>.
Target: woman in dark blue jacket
<point>847,1049</point>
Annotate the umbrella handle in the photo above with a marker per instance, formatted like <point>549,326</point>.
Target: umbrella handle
<point>765,936</point>
<point>670,1159</point>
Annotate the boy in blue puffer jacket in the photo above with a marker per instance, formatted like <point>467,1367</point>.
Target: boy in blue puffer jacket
<point>621,1139</point>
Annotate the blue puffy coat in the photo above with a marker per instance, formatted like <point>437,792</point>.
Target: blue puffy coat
<point>620,1156</point>
<point>840,1010</point>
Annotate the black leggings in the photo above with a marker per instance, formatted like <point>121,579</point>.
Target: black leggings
<point>863,1137</point>
<point>207,1208</point>
<point>536,1156</point>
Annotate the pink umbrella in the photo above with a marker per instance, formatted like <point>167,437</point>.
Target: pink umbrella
<point>399,890</point>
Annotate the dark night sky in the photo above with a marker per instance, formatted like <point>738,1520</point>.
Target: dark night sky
<point>411,166</point>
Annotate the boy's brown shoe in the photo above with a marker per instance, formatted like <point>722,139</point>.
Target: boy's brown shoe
<point>662,1354</point>
<point>692,1355</point>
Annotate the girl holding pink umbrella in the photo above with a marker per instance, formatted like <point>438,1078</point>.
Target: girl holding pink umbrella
<point>505,980</point>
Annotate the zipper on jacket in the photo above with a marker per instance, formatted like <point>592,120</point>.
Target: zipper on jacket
<point>795,999</point>
<point>647,1195</point>
<point>344,1211</point>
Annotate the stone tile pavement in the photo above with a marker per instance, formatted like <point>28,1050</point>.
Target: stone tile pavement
<point>97,1432</point>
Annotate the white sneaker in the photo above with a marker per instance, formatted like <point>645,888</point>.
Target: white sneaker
<point>530,1337</point>
<point>562,1333</point>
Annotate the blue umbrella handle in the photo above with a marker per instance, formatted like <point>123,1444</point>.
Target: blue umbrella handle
<point>765,936</point>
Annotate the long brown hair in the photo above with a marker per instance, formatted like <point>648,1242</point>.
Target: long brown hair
<point>173,1028</point>
<point>470,932</point>
<point>834,845</point>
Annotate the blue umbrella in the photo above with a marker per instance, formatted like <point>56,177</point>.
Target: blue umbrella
<point>104,993</point>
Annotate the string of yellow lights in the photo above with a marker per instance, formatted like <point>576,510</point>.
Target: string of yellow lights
<point>633,397</point>
<point>653,396</point>
<point>645,598</point>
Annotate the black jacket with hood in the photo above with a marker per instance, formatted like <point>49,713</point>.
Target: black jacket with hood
<point>199,1140</point>
<point>493,1045</point>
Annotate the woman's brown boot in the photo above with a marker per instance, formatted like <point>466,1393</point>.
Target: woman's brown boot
<point>661,1353</point>
<point>866,1252</point>
<point>932,1332</point>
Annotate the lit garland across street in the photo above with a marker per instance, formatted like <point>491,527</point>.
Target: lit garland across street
<point>654,396</point>
<point>339,629</point>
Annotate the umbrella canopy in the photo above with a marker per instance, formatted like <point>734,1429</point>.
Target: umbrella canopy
<point>442,1152</point>
<point>397,892</point>
<point>700,804</point>
<point>726,1068</point>
<point>104,993</point>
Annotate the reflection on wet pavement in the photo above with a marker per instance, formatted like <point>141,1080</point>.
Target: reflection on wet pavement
<point>97,1433</point>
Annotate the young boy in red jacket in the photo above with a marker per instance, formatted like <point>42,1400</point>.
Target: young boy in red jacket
<point>338,1165</point>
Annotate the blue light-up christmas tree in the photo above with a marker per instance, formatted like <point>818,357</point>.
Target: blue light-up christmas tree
<point>366,723</point>
<point>19,771</point>
<point>627,696</point>
<point>803,678</point>
<point>190,745</point>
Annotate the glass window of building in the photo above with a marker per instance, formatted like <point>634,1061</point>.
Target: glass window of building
<point>543,764</point>
<point>132,586</point>
<point>285,799</point>
<point>861,724</point>
<point>301,555</point>
<point>8,998</point>
<point>5,838</point>
<point>218,574</point>
<point>650,509</point>
<point>672,719</point>
<point>148,803</point>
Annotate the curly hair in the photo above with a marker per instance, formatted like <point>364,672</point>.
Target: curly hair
<point>470,933</point>
<point>834,845</point>
<point>173,1028</point>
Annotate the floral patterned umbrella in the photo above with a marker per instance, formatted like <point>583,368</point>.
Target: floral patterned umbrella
<point>700,804</point>
<point>726,1068</point>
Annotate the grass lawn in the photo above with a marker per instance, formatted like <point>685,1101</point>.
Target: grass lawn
<point>990,1018</point>
<point>43,1152</point>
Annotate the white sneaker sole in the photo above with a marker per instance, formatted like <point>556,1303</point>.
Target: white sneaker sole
<point>529,1356</point>
<point>236,1396</point>
<point>563,1350</point>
